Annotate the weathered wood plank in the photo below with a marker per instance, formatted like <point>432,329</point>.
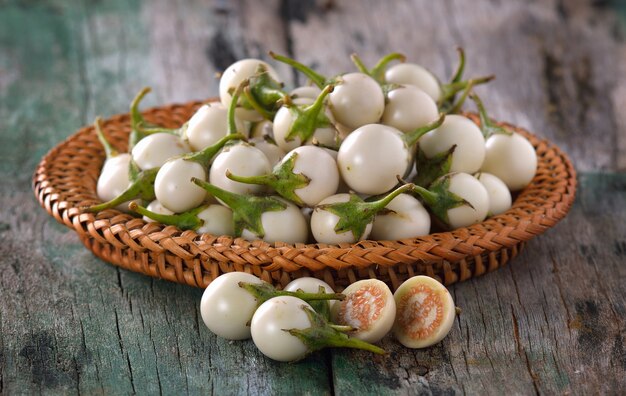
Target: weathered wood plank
<point>551,322</point>
<point>70,323</point>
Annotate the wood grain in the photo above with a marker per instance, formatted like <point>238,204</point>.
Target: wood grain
<point>551,322</point>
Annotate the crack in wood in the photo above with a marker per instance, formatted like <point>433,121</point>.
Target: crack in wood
<point>559,288</point>
<point>328,359</point>
<point>122,349</point>
<point>196,319</point>
<point>521,352</point>
<point>77,378</point>
<point>156,361</point>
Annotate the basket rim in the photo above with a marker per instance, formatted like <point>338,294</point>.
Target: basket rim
<point>63,190</point>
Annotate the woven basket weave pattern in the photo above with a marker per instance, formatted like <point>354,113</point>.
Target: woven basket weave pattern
<point>66,178</point>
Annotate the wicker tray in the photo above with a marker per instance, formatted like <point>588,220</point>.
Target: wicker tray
<point>66,178</point>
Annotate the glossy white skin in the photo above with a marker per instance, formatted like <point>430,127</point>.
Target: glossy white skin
<point>234,75</point>
<point>288,225</point>
<point>269,322</point>
<point>122,159</point>
<point>358,100</point>
<point>439,292</point>
<point>155,149</point>
<point>173,186</point>
<point>273,153</point>
<point>282,123</point>
<point>511,158</point>
<point>113,181</point>
<point>310,285</point>
<point>208,125</point>
<point>371,158</point>
<point>416,75</point>
<point>409,219</point>
<point>469,188</point>
<point>469,153</point>
<point>321,169</point>
<point>226,308</point>
<point>409,108</point>
<point>156,207</point>
<point>218,220</point>
<point>307,91</point>
<point>242,160</point>
<point>499,195</point>
<point>373,329</point>
<point>323,224</point>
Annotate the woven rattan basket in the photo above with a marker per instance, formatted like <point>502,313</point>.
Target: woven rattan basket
<point>66,178</point>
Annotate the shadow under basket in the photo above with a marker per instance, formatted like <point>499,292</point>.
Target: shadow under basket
<point>65,181</point>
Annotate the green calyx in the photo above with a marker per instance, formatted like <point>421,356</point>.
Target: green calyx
<point>411,138</point>
<point>133,171</point>
<point>142,182</point>
<point>356,214</point>
<point>447,101</point>
<point>282,179</point>
<point>185,221</point>
<point>247,209</point>
<point>307,119</point>
<point>378,71</point>
<point>317,79</point>
<point>487,127</point>
<point>142,187</point>
<point>263,93</point>
<point>439,198</point>
<point>264,291</point>
<point>430,169</point>
<point>205,156</point>
<point>323,334</point>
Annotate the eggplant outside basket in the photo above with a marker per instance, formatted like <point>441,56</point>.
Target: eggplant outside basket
<point>65,181</point>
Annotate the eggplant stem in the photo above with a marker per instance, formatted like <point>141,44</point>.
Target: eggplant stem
<point>204,157</point>
<point>109,150</point>
<point>359,64</point>
<point>461,66</point>
<point>135,115</point>
<point>459,103</point>
<point>232,126</point>
<point>379,69</point>
<point>256,105</point>
<point>317,78</point>
<point>411,138</point>
<point>381,203</point>
<point>260,179</point>
<point>427,195</point>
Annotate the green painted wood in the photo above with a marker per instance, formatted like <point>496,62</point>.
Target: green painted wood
<point>551,322</point>
<point>70,323</point>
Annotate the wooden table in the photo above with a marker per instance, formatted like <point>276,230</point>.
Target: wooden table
<point>553,321</point>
